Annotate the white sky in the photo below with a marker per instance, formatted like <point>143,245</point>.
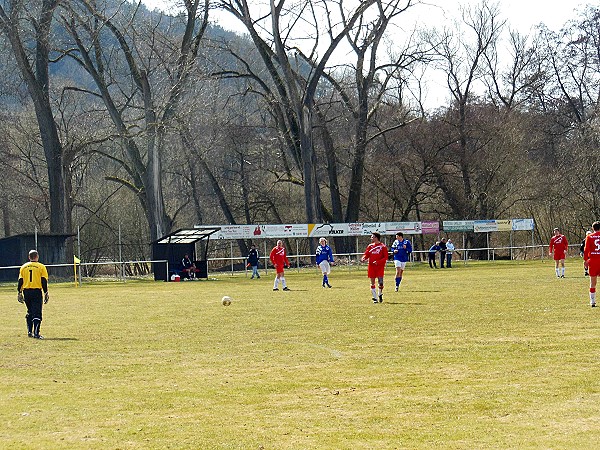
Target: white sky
<point>521,14</point>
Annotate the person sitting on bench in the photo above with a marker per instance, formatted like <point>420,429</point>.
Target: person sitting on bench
<point>188,267</point>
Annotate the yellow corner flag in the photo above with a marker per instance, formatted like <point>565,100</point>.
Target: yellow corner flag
<point>76,261</point>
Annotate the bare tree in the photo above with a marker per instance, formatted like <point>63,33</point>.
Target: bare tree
<point>294,84</point>
<point>570,100</point>
<point>515,85</point>
<point>463,62</point>
<point>374,80</point>
<point>24,23</point>
<point>141,87</point>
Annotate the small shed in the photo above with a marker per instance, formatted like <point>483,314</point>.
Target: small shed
<point>14,251</point>
<point>174,246</point>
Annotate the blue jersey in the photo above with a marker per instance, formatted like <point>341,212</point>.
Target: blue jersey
<point>434,248</point>
<point>401,249</point>
<point>324,253</point>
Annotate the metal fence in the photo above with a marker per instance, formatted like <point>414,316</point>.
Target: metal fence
<point>232,265</point>
<point>237,264</point>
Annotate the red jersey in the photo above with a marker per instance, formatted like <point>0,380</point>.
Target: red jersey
<point>591,253</point>
<point>279,258</point>
<point>377,254</point>
<point>559,245</point>
<point>591,250</point>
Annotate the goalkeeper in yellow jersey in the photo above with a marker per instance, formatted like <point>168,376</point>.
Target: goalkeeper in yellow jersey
<point>33,291</point>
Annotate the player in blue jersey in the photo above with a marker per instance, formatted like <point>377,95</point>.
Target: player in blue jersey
<point>324,258</point>
<point>401,249</point>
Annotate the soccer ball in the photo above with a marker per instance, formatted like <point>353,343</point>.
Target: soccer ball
<point>226,300</point>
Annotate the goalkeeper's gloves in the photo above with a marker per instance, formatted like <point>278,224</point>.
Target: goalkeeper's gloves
<point>20,298</point>
<point>46,297</point>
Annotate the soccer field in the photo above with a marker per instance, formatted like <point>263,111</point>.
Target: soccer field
<point>488,355</point>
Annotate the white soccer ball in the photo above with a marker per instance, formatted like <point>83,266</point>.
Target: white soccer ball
<point>226,300</point>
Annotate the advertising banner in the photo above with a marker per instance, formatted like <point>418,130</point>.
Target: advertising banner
<point>485,226</point>
<point>327,229</point>
<point>458,225</point>
<point>430,227</point>
<point>355,229</point>
<point>368,228</point>
<point>235,232</point>
<point>504,225</point>
<point>404,227</point>
<point>522,224</point>
<point>281,231</point>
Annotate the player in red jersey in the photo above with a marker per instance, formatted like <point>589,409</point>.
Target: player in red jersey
<point>558,246</point>
<point>377,254</point>
<point>591,259</point>
<point>280,260</point>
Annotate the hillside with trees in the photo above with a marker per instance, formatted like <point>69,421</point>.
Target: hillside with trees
<point>117,118</point>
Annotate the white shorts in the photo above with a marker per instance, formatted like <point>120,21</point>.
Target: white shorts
<point>401,264</point>
<point>325,267</point>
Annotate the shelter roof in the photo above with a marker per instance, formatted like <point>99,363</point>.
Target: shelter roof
<point>187,235</point>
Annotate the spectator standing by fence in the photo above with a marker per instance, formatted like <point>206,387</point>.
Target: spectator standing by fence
<point>33,279</point>
<point>442,252</point>
<point>449,252</point>
<point>558,247</point>
<point>279,258</point>
<point>432,253</point>
<point>591,258</point>
<point>253,258</point>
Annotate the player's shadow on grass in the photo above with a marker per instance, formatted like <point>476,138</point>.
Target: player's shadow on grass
<point>60,339</point>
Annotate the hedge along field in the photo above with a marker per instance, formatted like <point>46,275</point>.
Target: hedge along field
<point>488,355</point>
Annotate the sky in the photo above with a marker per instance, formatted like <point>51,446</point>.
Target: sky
<point>521,14</point>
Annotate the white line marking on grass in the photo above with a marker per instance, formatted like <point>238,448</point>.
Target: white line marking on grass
<point>331,351</point>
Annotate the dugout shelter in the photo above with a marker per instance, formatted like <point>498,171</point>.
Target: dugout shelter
<point>14,251</point>
<point>174,246</point>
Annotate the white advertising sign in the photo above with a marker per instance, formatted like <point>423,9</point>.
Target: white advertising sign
<point>282,231</point>
<point>369,228</point>
<point>236,232</point>
<point>327,229</point>
<point>317,230</point>
<point>355,229</point>
<point>522,224</point>
<point>404,227</point>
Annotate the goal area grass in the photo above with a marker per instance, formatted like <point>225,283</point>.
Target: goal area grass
<point>484,355</point>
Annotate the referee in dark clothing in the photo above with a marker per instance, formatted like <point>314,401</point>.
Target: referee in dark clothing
<point>33,279</point>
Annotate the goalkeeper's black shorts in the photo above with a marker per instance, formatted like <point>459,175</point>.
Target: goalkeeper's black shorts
<point>33,300</point>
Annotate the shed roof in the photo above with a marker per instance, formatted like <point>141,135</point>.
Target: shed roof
<point>187,235</point>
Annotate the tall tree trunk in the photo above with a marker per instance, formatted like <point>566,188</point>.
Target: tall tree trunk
<point>312,193</point>
<point>37,82</point>
<point>5,217</point>
<point>358,164</point>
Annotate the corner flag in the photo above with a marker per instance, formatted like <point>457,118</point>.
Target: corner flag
<point>76,261</point>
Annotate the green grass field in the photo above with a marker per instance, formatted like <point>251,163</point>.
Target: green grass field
<point>489,355</point>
